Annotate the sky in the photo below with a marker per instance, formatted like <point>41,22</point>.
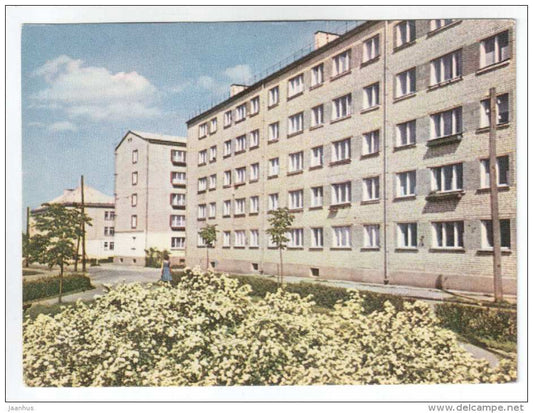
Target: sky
<point>85,85</point>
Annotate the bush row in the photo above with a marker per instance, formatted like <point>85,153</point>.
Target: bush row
<point>49,286</point>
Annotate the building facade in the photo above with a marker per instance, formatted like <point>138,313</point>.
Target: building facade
<point>377,141</point>
<point>150,180</point>
<point>99,236</point>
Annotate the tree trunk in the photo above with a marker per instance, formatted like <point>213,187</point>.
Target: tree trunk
<point>281,267</point>
<point>77,254</point>
<point>60,283</point>
<point>207,254</point>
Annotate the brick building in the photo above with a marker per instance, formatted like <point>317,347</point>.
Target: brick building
<point>150,179</point>
<point>378,143</point>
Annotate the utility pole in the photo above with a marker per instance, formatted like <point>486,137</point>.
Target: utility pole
<point>26,264</point>
<point>83,267</point>
<point>494,208</point>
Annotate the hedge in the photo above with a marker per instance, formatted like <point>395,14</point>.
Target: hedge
<point>49,286</point>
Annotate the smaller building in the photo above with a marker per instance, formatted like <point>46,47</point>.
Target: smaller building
<point>99,237</point>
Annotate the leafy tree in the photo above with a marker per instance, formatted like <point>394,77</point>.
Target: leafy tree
<point>280,222</point>
<point>209,235</point>
<point>58,227</point>
<point>154,257</point>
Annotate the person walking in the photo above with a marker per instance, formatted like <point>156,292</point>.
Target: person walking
<point>165,269</point>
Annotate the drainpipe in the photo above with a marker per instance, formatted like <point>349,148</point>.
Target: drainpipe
<point>147,195</point>
<point>385,252</point>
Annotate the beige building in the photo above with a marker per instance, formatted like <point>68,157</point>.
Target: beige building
<point>99,236</point>
<point>377,141</point>
<point>150,179</point>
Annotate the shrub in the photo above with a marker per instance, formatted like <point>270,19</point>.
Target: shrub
<point>49,286</point>
<point>209,331</point>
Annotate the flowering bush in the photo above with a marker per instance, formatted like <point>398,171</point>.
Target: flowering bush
<point>208,331</point>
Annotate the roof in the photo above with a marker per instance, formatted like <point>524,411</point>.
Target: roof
<point>92,197</point>
<point>156,138</point>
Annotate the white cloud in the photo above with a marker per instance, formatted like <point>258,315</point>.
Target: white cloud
<point>62,127</point>
<point>35,124</point>
<point>94,92</point>
<point>239,74</point>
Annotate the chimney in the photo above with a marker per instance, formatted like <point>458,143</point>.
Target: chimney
<point>234,89</point>
<point>323,38</point>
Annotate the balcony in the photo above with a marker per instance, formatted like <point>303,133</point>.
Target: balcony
<point>444,140</point>
<point>445,195</point>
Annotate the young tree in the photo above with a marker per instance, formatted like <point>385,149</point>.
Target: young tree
<point>209,235</point>
<point>280,222</point>
<point>82,219</point>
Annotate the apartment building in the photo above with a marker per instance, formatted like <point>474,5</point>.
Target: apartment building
<point>150,181</point>
<point>377,141</point>
<point>99,236</point>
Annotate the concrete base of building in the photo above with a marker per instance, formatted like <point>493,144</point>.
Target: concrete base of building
<point>139,261</point>
<point>459,282</point>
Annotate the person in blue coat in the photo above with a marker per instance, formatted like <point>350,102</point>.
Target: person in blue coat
<point>165,269</point>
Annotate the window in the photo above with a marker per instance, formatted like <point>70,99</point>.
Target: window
<point>371,236</point>
<point>178,177</point>
<point>134,200</point>
<point>109,215</point>
<point>212,153</point>
<point>371,96</point>
<point>487,235</point>
<point>240,144</point>
<point>213,125</point>
<point>342,107</point>
<point>254,238</point>
<point>201,241</point>
<point>342,237</point>
<point>105,246</point>
<point>405,33</point>
<point>254,138</point>
<point>296,85</point>
<point>135,156</point>
<point>134,178</point>
<point>240,206</point>
<point>447,178</point>
<point>296,199</point>
<point>177,243</point>
<point>341,63</point>
<point>371,188</point>
<point>446,68</point>
<point>202,130</point>
<point>227,118</point>
<point>177,221</point>
<point>273,131</point>
<point>296,161</point>
<point>111,246</point>
<point>406,235</point>
<point>447,123</point>
<point>438,23</point>
<point>202,157</point>
<point>502,111</point>
<point>240,175</point>
<point>240,112</point>
<point>273,167</point>
<point>406,133</point>
<point>341,193</point>
<point>317,156</point>
<point>296,123</point>
<point>406,83</point>
<point>226,239</point>
<point>109,231</point>
<point>502,172</point>
<point>273,202</point>
<point>273,96</point>
<point>177,199</point>
<point>202,211</point>
<point>317,116</point>
<point>495,49</point>
<point>254,204</point>
<point>317,237</point>
<point>178,156</point>
<point>254,172</point>
<point>227,178</point>
<point>296,238</point>
<point>371,49</point>
<point>240,238</point>
<point>226,208</point>
<point>227,148</point>
<point>341,150</point>
<point>370,142</point>
<point>133,221</point>
<point>317,196</point>
<point>448,234</point>
<point>406,183</point>
<point>317,75</point>
<point>202,184</point>
<point>212,210</point>
<point>213,181</point>
<point>254,106</point>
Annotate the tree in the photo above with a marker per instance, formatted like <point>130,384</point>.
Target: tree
<point>82,219</point>
<point>58,228</point>
<point>209,235</point>
<point>280,222</point>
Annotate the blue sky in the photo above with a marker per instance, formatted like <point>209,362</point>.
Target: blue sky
<point>84,86</point>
